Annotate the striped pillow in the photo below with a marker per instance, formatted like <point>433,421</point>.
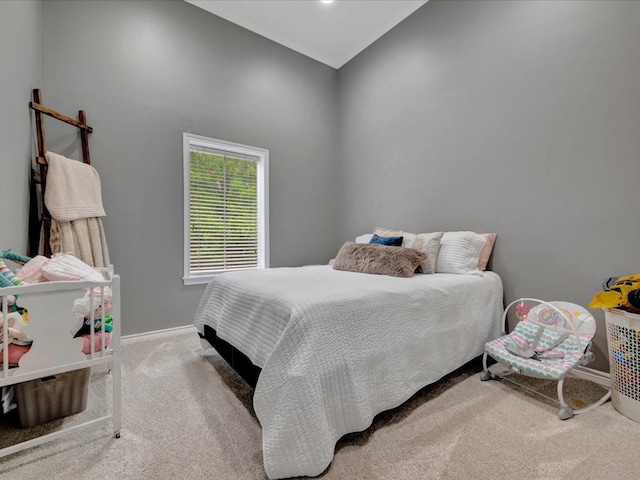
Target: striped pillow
<point>460,252</point>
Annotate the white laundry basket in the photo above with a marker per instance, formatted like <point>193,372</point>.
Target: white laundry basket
<point>623,339</point>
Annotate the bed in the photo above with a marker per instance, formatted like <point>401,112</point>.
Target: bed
<point>328,350</point>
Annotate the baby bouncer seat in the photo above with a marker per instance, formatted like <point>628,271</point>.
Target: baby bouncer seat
<point>548,341</point>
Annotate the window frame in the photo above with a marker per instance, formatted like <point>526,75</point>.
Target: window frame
<point>189,140</point>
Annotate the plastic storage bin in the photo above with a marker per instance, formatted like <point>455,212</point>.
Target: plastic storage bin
<point>45,399</point>
<point>623,340</point>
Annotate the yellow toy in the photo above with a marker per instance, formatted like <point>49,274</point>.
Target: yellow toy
<point>619,292</point>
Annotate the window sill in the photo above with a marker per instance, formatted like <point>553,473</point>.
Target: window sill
<point>204,279</point>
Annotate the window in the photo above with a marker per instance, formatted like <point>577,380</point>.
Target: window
<point>225,207</point>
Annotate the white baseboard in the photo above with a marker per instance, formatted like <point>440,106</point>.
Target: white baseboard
<point>156,333</point>
<point>601,378</point>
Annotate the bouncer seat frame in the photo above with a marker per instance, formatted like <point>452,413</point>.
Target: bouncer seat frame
<point>549,341</point>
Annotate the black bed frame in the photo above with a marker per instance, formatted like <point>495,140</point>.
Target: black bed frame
<point>234,357</point>
<point>249,372</point>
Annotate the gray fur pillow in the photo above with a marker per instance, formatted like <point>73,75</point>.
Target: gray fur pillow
<point>378,259</point>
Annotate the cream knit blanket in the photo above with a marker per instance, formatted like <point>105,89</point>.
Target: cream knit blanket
<point>84,238</point>
<point>73,189</point>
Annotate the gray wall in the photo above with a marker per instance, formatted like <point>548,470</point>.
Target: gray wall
<point>146,71</point>
<point>520,118</point>
<point>21,59</point>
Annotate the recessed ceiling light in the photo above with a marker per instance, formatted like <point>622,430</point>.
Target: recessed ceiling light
<point>327,1</point>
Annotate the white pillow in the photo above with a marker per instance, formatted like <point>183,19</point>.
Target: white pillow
<point>366,238</point>
<point>459,253</point>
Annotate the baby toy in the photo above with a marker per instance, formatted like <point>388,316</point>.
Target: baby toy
<point>7,278</point>
<point>15,322</point>
<point>522,311</point>
<point>619,292</point>
<point>14,257</point>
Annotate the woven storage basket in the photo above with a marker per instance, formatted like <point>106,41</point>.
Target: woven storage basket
<point>45,399</point>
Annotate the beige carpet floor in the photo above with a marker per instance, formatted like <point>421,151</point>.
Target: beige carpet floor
<point>188,416</point>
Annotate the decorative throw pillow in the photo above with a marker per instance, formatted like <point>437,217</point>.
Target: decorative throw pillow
<point>378,259</point>
<point>366,238</point>
<point>391,241</point>
<point>428,243</point>
<point>485,253</point>
<point>460,253</point>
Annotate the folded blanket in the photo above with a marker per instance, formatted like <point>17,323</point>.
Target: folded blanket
<point>66,267</point>
<point>31,272</point>
<point>84,238</point>
<point>73,189</point>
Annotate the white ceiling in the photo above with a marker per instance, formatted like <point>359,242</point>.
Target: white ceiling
<point>330,33</point>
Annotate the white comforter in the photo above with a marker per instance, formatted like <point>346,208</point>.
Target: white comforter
<point>336,348</point>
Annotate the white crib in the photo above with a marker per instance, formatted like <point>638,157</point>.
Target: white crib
<point>55,351</point>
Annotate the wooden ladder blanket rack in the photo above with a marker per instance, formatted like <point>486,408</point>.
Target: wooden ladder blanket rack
<point>85,130</point>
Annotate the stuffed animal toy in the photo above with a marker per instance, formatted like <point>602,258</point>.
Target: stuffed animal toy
<point>15,321</point>
<point>619,292</point>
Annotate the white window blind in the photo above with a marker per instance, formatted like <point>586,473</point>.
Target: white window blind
<point>225,219</point>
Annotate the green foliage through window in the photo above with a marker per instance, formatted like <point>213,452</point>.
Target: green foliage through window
<point>223,225</point>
